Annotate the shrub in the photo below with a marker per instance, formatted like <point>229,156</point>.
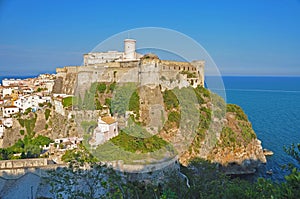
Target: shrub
<point>22,132</point>
<point>170,99</point>
<point>238,110</point>
<point>47,114</point>
<point>101,87</point>
<point>134,103</point>
<point>67,101</point>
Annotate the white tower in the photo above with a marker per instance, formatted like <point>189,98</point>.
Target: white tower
<point>129,49</point>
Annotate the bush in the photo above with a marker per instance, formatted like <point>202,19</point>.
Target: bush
<point>138,144</point>
<point>238,110</point>
<point>170,99</point>
<point>174,116</point>
<point>27,111</point>
<point>112,86</point>
<point>67,101</point>
<point>101,87</point>
<point>22,132</point>
<point>134,103</point>
<point>47,114</point>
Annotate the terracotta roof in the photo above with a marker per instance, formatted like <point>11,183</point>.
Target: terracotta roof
<point>108,120</point>
<point>10,107</point>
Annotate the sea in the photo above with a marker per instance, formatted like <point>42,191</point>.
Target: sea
<point>273,107</point>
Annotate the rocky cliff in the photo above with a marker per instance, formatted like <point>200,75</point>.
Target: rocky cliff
<point>224,135</point>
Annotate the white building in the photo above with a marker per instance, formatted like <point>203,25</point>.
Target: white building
<point>30,101</point>
<point>7,91</point>
<point>8,111</point>
<point>68,142</point>
<point>1,129</point>
<point>129,54</point>
<point>7,122</point>
<point>107,128</point>
<point>8,82</point>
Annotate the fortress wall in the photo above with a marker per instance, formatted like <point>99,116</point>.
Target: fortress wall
<point>130,64</point>
<point>72,69</point>
<point>10,164</point>
<point>16,173</point>
<point>177,66</point>
<point>143,168</point>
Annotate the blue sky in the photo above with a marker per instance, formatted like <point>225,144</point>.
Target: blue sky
<point>250,37</point>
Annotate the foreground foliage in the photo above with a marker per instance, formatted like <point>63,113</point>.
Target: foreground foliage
<point>81,180</point>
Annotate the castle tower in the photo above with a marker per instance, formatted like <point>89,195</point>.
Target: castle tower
<point>129,49</point>
<point>199,64</point>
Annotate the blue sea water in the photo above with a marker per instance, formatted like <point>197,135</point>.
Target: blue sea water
<point>273,107</point>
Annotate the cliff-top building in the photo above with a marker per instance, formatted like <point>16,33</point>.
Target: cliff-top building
<point>129,66</point>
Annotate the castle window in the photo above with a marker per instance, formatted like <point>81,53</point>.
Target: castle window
<point>179,68</point>
<point>174,67</point>
<point>183,68</point>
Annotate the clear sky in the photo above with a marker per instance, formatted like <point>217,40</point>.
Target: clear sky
<point>244,37</point>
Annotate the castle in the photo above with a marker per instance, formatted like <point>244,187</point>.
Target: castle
<point>128,66</point>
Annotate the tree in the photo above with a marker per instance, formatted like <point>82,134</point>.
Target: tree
<point>84,178</point>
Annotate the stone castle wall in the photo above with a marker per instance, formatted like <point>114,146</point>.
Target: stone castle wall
<point>170,74</point>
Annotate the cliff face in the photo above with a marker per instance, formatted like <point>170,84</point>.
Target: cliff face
<point>238,150</point>
<point>224,135</point>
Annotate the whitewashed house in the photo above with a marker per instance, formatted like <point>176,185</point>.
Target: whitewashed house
<point>7,91</point>
<point>8,82</point>
<point>8,111</point>
<point>68,143</point>
<point>31,101</point>
<point>1,129</point>
<point>7,122</point>
<point>107,128</point>
<point>58,104</point>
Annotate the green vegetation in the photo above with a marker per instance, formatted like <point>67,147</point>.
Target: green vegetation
<point>68,101</point>
<point>170,100</point>
<point>134,103</point>
<point>189,74</point>
<point>294,151</point>
<point>199,90</point>
<point>27,111</point>
<point>80,155</point>
<point>121,100</point>
<point>204,179</point>
<point>29,125</point>
<point>47,113</point>
<point>88,125</point>
<point>108,102</point>
<point>228,138</point>
<point>240,115</point>
<point>137,144</point>
<point>67,182</point>
<point>22,132</point>
<point>174,117</point>
<point>247,132</point>
<point>205,118</point>
<point>101,87</point>
<point>112,86</point>
<point>28,147</point>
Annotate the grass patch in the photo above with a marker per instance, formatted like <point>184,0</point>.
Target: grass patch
<point>240,115</point>
<point>47,114</point>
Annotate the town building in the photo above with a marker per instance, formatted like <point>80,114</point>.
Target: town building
<point>8,111</point>
<point>107,128</point>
